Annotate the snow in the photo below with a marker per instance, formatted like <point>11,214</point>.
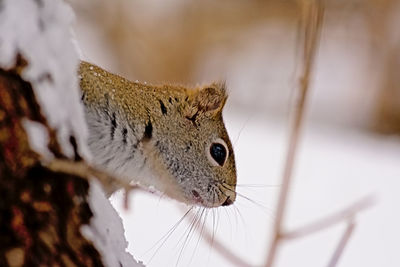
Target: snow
<point>38,138</point>
<point>106,231</point>
<point>40,32</point>
<point>43,38</point>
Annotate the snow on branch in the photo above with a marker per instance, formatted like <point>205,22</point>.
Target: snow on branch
<point>38,33</point>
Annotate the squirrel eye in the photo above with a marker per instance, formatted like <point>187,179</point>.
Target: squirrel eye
<point>218,152</point>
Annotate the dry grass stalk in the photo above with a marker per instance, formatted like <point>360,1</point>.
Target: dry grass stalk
<point>312,16</point>
<point>328,221</point>
<point>234,259</point>
<point>342,243</point>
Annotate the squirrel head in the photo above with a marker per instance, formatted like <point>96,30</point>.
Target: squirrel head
<point>168,137</point>
<point>194,154</point>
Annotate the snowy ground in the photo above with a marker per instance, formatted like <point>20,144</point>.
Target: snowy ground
<point>335,168</point>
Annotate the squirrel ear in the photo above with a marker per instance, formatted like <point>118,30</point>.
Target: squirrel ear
<point>212,98</point>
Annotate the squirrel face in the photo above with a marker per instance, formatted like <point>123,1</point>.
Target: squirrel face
<point>167,137</point>
<point>192,147</point>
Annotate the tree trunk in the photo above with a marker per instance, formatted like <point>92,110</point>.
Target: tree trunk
<point>48,216</point>
<point>41,211</point>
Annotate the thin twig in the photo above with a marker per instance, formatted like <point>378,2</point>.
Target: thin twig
<point>85,171</point>
<point>321,224</point>
<point>342,244</point>
<point>312,19</point>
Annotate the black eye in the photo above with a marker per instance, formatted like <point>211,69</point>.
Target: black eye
<point>218,153</point>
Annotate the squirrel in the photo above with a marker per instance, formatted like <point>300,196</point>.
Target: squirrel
<point>167,137</point>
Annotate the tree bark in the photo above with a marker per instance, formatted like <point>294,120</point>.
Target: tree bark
<point>41,211</point>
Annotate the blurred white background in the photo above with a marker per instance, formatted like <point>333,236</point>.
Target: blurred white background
<point>349,146</point>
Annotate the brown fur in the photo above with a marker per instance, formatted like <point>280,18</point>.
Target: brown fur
<point>173,127</point>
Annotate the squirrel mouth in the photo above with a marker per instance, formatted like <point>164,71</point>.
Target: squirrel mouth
<point>197,198</point>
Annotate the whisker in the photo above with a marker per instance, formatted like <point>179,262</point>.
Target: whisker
<point>166,236</point>
<point>221,248</point>
<point>213,229</point>
<point>259,185</point>
<point>212,234</point>
<point>240,131</point>
<point>200,233</point>
<point>229,220</point>
<point>235,216</point>
<point>192,218</point>
<point>193,226</point>
<point>241,216</point>
<point>265,209</point>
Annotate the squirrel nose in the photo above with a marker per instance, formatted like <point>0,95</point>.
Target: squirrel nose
<point>231,196</point>
<point>227,202</point>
